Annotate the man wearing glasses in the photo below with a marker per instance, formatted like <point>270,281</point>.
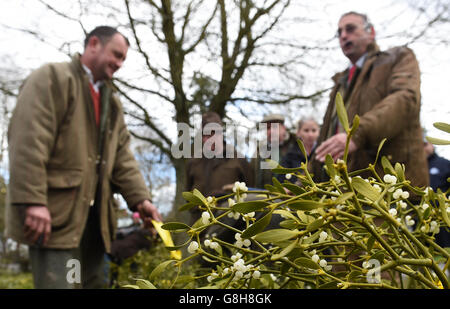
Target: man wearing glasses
<point>383,89</point>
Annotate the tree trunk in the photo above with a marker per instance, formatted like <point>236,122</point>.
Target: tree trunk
<point>180,172</point>
<point>175,215</point>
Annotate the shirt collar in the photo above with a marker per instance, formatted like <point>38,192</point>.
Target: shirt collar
<point>96,85</point>
<point>360,62</point>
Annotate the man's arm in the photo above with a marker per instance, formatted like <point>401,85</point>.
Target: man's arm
<point>394,112</point>
<point>128,178</point>
<point>31,136</point>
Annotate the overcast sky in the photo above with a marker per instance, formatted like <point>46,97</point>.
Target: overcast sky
<point>389,18</point>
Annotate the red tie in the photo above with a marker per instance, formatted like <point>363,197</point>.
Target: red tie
<point>96,100</point>
<point>351,73</point>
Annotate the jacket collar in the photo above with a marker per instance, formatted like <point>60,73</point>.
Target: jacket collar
<point>96,85</point>
<point>372,50</point>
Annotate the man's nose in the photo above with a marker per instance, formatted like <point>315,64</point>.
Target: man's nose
<point>119,62</point>
<point>343,36</point>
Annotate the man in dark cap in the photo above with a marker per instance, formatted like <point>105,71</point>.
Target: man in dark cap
<point>276,136</point>
<point>214,173</point>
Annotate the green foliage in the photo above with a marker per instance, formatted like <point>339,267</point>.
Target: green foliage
<point>443,127</point>
<point>149,269</point>
<point>15,281</point>
<point>347,232</point>
<point>328,238</point>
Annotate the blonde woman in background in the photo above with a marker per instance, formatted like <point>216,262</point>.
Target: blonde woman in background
<point>307,131</point>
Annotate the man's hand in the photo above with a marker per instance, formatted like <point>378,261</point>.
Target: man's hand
<point>147,212</point>
<point>37,224</point>
<point>228,187</point>
<point>335,146</point>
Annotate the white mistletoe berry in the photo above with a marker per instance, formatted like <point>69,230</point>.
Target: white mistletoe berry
<point>315,258</point>
<point>390,179</point>
<point>323,263</point>
<point>193,247</point>
<point>256,274</point>
<point>205,217</point>
<point>393,212</point>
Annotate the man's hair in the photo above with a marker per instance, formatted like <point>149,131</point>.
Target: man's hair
<point>104,34</point>
<point>366,21</point>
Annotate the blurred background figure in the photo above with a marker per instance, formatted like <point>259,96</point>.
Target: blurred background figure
<point>130,239</point>
<point>215,176</point>
<point>136,218</point>
<point>275,129</point>
<point>439,170</point>
<point>307,131</point>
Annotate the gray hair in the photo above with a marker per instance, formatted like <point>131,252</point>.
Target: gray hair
<point>302,121</point>
<point>365,18</point>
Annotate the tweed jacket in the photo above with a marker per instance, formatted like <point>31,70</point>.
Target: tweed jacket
<point>385,94</point>
<point>56,159</point>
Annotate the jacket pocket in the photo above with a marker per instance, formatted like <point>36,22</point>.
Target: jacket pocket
<point>63,187</point>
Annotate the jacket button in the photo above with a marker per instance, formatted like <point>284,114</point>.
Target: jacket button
<point>91,203</point>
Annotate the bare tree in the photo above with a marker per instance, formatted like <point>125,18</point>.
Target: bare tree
<point>228,36</point>
<point>429,23</point>
<point>193,56</point>
<point>10,80</point>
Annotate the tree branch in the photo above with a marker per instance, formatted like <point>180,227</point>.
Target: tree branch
<point>59,13</point>
<point>202,33</point>
<point>147,119</point>
<point>288,98</point>
<point>153,141</point>
<point>138,43</point>
<point>153,92</point>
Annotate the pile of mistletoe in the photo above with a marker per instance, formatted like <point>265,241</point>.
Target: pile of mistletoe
<point>348,232</point>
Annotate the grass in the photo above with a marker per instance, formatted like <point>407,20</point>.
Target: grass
<point>10,280</point>
<point>142,264</point>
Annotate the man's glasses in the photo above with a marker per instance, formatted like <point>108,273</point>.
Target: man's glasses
<point>350,28</point>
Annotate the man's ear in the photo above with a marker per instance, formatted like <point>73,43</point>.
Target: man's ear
<point>94,42</point>
<point>372,32</point>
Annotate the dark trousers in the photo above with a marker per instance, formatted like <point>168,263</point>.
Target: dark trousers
<point>82,267</point>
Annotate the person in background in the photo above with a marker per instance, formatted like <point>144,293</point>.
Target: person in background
<point>383,89</point>
<point>128,242</point>
<point>275,129</point>
<point>307,131</point>
<point>439,172</point>
<point>136,218</point>
<point>215,176</point>
<point>69,152</point>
